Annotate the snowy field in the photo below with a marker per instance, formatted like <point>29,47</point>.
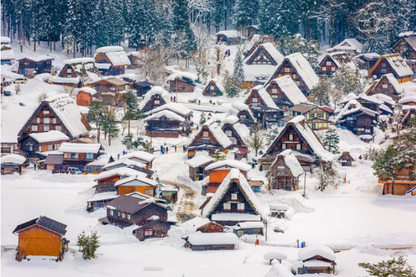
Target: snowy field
<point>355,216</point>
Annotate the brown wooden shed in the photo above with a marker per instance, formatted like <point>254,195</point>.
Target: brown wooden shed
<point>345,159</point>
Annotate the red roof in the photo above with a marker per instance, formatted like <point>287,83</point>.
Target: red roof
<point>327,109</point>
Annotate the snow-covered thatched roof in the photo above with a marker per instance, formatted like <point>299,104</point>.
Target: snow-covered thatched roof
<point>228,164</point>
<point>199,159</point>
<point>265,96</point>
<point>49,136</point>
<point>79,147</point>
<point>13,158</point>
<point>154,91</point>
<point>291,162</point>
<point>212,238</point>
<point>316,250</point>
<point>348,44</point>
<point>290,89</point>
<point>229,33</point>
<point>304,69</point>
<point>115,54</point>
<point>140,155</point>
<point>174,107</point>
<point>216,131</point>
<point>397,64</point>
<point>167,114</point>
<point>354,106</point>
<point>136,180</point>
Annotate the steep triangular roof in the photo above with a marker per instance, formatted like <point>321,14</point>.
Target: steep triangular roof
<point>156,90</point>
<point>273,56</point>
<point>44,222</point>
<point>245,188</point>
<point>266,99</point>
<point>290,89</point>
<point>397,64</point>
<point>216,131</point>
<point>291,162</point>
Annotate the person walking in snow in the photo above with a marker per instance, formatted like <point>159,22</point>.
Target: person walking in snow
<point>167,149</point>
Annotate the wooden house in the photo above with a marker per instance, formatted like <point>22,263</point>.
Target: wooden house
<point>136,183</point>
<point>41,236</point>
<point>317,117</point>
<point>298,68</point>
<point>7,53</point>
<point>154,98</point>
<point>212,241</point>
<point>128,163</point>
<point>79,154</point>
<point>167,124</point>
<point>392,63</point>
<point>197,166</point>
<point>228,37</point>
<point>99,200</point>
<point>59,113</point>
<point>213,88</point>
<point>42,142</point>
<point>260,63</point>
<point>111,60</point>
<point>85,96</point>
<point>210,138</point>
<point>141,210</point>
<point>8,145</point>
<point>182,82</point>
<point>210,227</point>
<point>387,85</point>
<point>249,228</point>
<point>348,45</point>
<point>317,259</point>
<point>176,108</point>
<point>106,180</point>
<point>35,65</point>
<point>251,30</point>
<point>333,61</point>
<point>285,171</point>
<point>264,108</point>
<point>168,193</point>
<point>358,119</point>
<point>285,93</point>
<point>278,210</point>
<point>141,157</point>
<point>409,112</point>
<point>141,88</point>
<point>236,133</point>
<point>299,137</point>
<point>219,170</point>
<point>366,61</point>
<point>111,91</point>
<point>77,73</point>
<point>406,46</point>
<point>233,202</point>
<point>345,159</point>
<point>12,163</point>
<point>244,114</point>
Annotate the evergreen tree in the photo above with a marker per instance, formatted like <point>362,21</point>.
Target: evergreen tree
<point>96,113</point>
<point>320,93</point>
<point>245,13</point>
<point>217,16</point>
<point>132,111</point>
<point>181,25</point>
<point>387,164</point>
<point>347,81</point>
<point>296,43</point>
<point>390,268</point>
<point>331,140</point>
<point>202,119</point>
<point>110,126</point>
<point>231,90</point>
<point>238,74</point>
<point>88,245</point>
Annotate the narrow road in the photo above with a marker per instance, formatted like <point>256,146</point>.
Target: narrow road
<point>186,207</point>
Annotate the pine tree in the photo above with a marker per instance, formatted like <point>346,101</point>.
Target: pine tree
<point>217,16</point>
<point>327,176</point>
<point>110,126</point>
<point>320,93</point>
<point>245,13</point>
<point>238,74</point>
<point>231,90</point>
<point>88,245</point>
<point>347,81</point>
<point>181,25</point>
<point>331,140</point>
<point>390,268</point>
<point>96,113</point>
<point>296,43</point>
<point>202,120</point>
<point>132,111</point>
<point>387,164</point>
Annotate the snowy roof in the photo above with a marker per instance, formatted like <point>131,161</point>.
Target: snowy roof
<point>64,80</point>
<point>181,75</point>
<point>240,106</point>
<point>218,84</point>
<point>217,132</point>
<point>195,223</point>
<point>79,61</point>
<point>229,33</point>
<point>342,59</point>
<point>314,250</point>
<point>123,171</point>
<point>155,90</point>
<point>235,217</point>
<point>408,88</point>
<point>399,65</point>
<point>231,119</point>
<point>141,155</point>
<point>167,114</point>
<point>290,89</point>
<point>7,55</point>
<point>13,158</point>
<point>87,90</point>
<point>254,72</point>
<point>278,207</point>
<point>79,147</point>
<point>117,58</point>
<point>268,47</point>
<point>279,270</point>
<point>385,98</point>
<point>212,238</point>
<point>393,81</point>
<point>5,40</point>
<point>103,196</point>
<point>224,187</point>
<point>49,136</point>
<point>126,162</point>
<point>291,162</point>
<point>199,160</point>
<point>248,225</point>
<point>228,164</point>
<point>136,180</point>
<point>174,107</point>
<point>306,132</point>
<point>109,49</point>
<point>353,106</point>
<point>408,99</point>
<point>242,130</point>
<point>304,69</point>
<point>265,96</point>
<point>38,58</point>
<point>349,44</point>
<point>69,114</point>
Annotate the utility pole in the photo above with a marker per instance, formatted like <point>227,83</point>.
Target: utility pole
<point>304,186</point>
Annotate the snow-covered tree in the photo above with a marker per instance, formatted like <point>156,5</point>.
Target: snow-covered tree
<point>296,43</point>
<point>320,93</point>
<point>257,138</point>
<point>390,268</point>
<point>217,15</point>
<point>245,13</point>
<point>327,176</point>
<point>238,74</point>
<point>387,164</point>
<point>88,245</point>
<point>132,111</point>
<point>96,113</point>
<point>347,81</point>
<point>331,140</point>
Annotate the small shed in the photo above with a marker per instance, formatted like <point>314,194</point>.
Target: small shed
<point>12,163</point>
<point>213,88</point>
<point>41,236</point>
<point>317,259</point>
<point>197,166</point>
<point>211,227</point>
<point>249,228</point>
<point>345,159</point>
<point>169,193</point>
<point>284,172</point>
<point>182,82</point>
<point>212,241</point>
<point>229,37</point>
<point>278,210</point>
<point>85,96</point>
<point>141,88</point>
<point>256,184</point>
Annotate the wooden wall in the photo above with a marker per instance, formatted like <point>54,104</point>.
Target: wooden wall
<point>39,241</point>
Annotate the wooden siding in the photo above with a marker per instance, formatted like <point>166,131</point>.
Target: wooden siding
<point>130,189</point>
<point>199,140</point>
<point>113,70</point>
<point>27,66</point>
<point>107,184</point>
<point>287,69</point>
<point>84,99</point>
<point>278,96</point>
<point>38,241</point>
<point>383,86</point>
<point>212,90</point>
<point>159,230</point>
<point>155,102</point>
<point>178,85</point>
<point>283,178</point>
<point>327,66</point>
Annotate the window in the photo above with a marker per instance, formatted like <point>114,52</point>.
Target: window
<point>212,88</point>
<point>274,90</point>
<point>323,68</point>
<point>383,70</point>
<point>123,215</point>
<point>37,120</point>
<point>67,155</point>
<point>90,156</point>
<point>111,212</point>
<point>384,85</point>
<point>205,141</point>
<point>46,120</point>
<point>50,147</point>
<point>287,69</point>
<point>297,83</point>
<point>5,150</point>
<point>333,68</point>
<point>294,76</point>
<point>290,136</point>
<point>227,206</point>
<point>118,214</point>
<point>228,133</point>
<point>320,114</point>
<point>368,130</point>
<point>328,63</point>
<point>148,232</point>
<point>157,102</point>
<point>54,120</point>
<point>283,145</point>
<point>74,155</point>
<point>128,217</point>
<point>69,71</point>
<point>58,128</point>
<point>233,196</point>
<point>34,128</point>
<point>45,128</point>
<point>383,65</point>
<point>298,146</point>
<point>29,147</point>
<point>148,191</point>
<point>40,149</point>
<point>254,100</point>
<point>240,206</point>
<point>205,134</point>
<point>45,112</point>
<point>112,88</point>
